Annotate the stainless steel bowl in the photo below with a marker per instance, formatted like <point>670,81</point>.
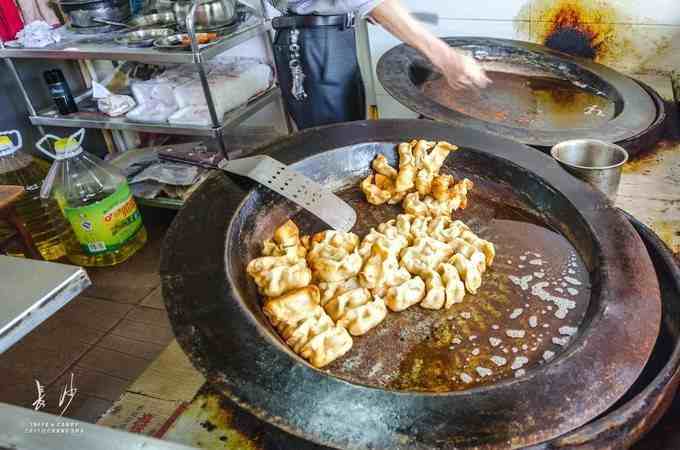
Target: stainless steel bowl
<point>210,14</point>
<point>157,19</point>
<point>83,14</point>
<point>595,162</point>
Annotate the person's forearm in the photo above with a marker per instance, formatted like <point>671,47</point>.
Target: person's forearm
<point>395,18</point>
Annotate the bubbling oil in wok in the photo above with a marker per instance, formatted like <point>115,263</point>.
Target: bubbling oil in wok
<point>527,101</point>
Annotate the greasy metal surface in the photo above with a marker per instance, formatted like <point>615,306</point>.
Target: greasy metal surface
<point>656,131</point>
<point>531,101</point>
<point>423,350</point>
<point>646,402</point>
<point>214,422</point>
<point>539,97</point>
<point>217,318</point>
<point>296,188</point>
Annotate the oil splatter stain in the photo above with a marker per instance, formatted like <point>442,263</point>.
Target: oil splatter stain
<point>222,424</point>
<point>645,161</point>
<point>669,232</point>
<point>585,28</point>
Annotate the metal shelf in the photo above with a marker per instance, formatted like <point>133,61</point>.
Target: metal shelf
<point>109,50</point>
<point>50,117</point>
<point>102,47</point>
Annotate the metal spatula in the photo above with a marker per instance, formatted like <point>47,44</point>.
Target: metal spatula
<point>297,188</point>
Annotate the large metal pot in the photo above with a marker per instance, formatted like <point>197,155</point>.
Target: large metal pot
<point>210,14</point>
<point>83,13</point>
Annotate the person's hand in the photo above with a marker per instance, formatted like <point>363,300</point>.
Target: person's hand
<point>460,70</point>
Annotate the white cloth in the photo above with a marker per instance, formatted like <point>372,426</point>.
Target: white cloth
<point>38,34</point>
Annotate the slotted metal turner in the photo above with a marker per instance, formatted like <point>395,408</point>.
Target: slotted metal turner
<point>297,188</point>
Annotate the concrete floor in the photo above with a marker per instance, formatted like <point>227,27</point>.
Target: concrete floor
<point>105,337</point>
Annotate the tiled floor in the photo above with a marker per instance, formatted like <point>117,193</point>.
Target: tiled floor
<point>105,337</point>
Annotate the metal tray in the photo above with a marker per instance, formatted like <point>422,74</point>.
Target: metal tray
<point>217,318</point>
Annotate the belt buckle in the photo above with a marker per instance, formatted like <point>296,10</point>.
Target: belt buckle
<point>350,21</point>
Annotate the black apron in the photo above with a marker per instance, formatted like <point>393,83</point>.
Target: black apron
<point>332,79</point>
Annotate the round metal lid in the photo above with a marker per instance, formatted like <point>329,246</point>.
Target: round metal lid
<point>539,96</point>
<point>218,321</point>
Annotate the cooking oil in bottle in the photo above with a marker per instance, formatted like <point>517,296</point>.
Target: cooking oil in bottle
<point>96,200</point>
<point>42,218</point>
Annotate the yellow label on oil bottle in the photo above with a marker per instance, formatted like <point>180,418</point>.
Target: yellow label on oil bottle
<point>106,225</point>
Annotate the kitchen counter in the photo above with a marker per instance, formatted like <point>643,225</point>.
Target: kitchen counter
<point>31,291</point>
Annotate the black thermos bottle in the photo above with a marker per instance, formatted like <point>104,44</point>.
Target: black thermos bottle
<point>60,91</point>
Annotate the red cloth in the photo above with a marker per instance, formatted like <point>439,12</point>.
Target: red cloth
<point>10,20</point>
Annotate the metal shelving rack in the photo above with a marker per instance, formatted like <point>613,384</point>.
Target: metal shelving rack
<point>111,51</point>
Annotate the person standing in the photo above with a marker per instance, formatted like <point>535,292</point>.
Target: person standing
<point>316,58</point>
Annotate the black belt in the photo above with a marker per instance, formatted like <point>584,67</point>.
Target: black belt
<point>311,21</point>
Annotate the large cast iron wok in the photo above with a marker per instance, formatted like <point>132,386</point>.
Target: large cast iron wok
<point>218,321</point>
<point>652,394</point>
<point>637,111</point>
<point>633,416</point>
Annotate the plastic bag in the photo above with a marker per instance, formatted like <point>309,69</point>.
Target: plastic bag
<point>152,112</point>
<point>229,92</point>
<point>154,90</point>
<point>38,34</point>
<point>233,81</point>
<point>116,105</point>
<point>108,103</point>
<point>146,189</point>
<point>169,173</point>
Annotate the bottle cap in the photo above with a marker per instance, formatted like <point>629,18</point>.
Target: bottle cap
<point>5,142</point>
<point>63,147</point>
<point>7,147</point>
<point>66,145</point>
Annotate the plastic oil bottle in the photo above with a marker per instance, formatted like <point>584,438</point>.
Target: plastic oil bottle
<point>96,200</point>
<point>41,217</point>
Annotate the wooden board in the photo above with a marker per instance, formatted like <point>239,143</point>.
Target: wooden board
<point>155,399</point>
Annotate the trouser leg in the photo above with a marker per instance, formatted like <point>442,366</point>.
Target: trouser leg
<point>335,90</point>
